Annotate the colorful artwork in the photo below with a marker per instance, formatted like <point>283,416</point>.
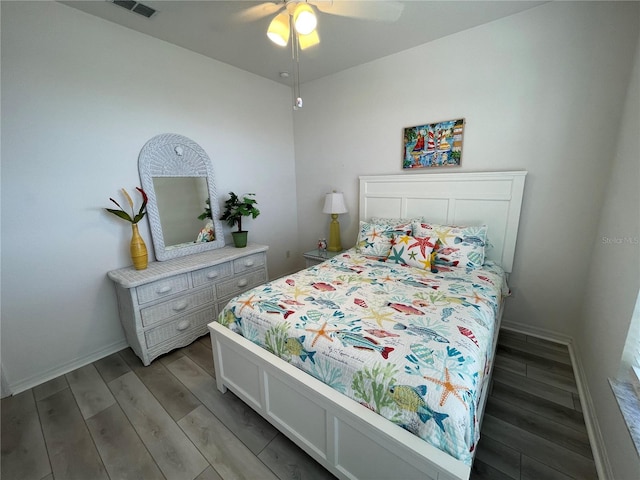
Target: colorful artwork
<point>433,145</point>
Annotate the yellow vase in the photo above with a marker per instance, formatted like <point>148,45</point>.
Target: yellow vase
<point>138,249</point>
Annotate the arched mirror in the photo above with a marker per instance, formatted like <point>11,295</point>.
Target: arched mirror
<point>177,176</point>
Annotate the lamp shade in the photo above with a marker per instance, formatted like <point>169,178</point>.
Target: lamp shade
<point>306,41</point>
<point>278,31</point>
<point>304,19</point>
<point>334,203</point>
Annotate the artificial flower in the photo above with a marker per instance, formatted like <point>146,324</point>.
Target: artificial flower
<point>124,215</point>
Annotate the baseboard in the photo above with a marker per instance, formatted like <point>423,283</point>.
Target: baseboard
<point>5,391</point>
<point>536,332</point>
<point>591,421</point>
<point>52,373</point>
<point>600,458</point>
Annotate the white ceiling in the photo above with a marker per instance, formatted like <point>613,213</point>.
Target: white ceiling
<point>216,29</point>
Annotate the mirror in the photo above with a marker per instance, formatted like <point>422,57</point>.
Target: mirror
<point>177,176</point>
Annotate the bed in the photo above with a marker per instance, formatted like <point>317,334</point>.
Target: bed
<point>414,343</point>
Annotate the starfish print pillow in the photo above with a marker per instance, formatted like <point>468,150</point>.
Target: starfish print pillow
<point>413,251</point>
<point>374,239</point>
<point>457,245</point>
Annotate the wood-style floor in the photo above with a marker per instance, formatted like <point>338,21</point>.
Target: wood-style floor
<point>115,419</point>
<point>533,428</point>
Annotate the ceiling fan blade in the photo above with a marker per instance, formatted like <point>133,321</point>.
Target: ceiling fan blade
<point>258,11</point>
<point>379,10</point>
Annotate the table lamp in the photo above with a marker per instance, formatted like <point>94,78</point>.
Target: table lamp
<point>334,205</point>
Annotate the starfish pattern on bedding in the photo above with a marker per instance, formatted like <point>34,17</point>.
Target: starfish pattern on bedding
<point>396,256</point>
<point>403,239</point>
<point>379,317</point>
<point>449,388</point>
<point>321,332</point>
<point>443,234</point>
<point>423,243</point>
<point>247,303</point>
<point>426,262</point>
<point>374,234</point>
<point>297,291</point>
<point>477,298</point>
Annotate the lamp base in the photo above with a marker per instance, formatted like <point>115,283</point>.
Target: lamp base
<point>334,244</point>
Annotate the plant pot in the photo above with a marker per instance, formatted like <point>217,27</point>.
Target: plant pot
<point>138,249</point>
<point>239,239</point>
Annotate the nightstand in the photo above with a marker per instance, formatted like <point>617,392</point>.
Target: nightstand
<point>314,257</point>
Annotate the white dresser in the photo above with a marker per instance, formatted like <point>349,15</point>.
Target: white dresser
<point>169,304</point>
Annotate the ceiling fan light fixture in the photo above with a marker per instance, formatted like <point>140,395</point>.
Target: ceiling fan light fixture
<point>304,19</point>
<point>278,31</point>
<point>309,40</point>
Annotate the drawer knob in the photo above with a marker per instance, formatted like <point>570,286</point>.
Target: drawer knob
<point>165,289</point>
<point>183,325</point>
<point>180,306</point>
<point>211,275</point>
<point>243,282</point>
<point>248,263</point>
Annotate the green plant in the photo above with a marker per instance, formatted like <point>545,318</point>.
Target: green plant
<point>133,218</point>
<point>207,211</point>
<point>235,208</point>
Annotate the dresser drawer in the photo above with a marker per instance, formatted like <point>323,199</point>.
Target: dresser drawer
<point>249,262</point>
<point>211,274</point>
<point>178,327</point>
<point>241,283</point>
<point>162,288</point>
<point>162,311</point>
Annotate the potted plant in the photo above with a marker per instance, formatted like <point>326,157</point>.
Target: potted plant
<point>234,209</point>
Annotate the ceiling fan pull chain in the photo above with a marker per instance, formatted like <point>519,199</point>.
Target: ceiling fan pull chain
<point>295,57</point>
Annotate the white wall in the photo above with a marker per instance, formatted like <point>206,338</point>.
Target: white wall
<point>612,286</point>
<point>80,97</point>
<point>541,91</point>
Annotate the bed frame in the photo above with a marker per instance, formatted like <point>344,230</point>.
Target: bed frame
<point>346,438</point>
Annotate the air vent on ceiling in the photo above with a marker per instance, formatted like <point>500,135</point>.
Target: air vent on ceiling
<point>136,7</point>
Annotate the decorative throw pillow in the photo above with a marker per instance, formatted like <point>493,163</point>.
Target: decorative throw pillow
<point>374,239</point>
<point>207,233</point>
<point>457,245</point>
<point>413,251</point>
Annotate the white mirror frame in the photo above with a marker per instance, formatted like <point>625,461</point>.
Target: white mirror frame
<point>173,155</point>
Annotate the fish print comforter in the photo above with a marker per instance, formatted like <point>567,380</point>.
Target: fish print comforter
<point>412,345</point>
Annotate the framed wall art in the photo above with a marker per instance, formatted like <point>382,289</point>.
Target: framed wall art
<point>433,145</point>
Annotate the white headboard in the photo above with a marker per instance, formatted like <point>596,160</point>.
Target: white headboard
<point>491,198</point>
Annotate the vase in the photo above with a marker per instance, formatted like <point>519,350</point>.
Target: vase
<point>240,239</point>
<point>138,249</point>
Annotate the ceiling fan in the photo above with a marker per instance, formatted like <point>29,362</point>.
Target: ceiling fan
<point>297,20</point>
<point>300,16</point>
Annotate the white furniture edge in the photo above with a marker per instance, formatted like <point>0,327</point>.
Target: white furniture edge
<point>129,277</point>
<point>600,458</point>
<point>346,431</point>
<point>250,371</point>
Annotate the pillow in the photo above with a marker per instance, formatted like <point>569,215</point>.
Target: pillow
<point>457,245</point>
<point>374,239</point>
<point>206,233</point>
<point>413,251</point>
<point>395,222</point>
